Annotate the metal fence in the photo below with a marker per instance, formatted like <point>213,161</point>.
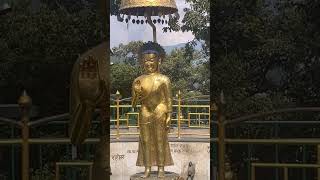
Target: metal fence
<point>192,116</point>
<point>187,114</point>
<point>222,124</point>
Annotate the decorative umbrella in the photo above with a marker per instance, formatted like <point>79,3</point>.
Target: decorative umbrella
<point>160,10</point>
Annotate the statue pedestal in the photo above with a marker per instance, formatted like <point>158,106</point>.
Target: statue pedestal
<point>154,176</point>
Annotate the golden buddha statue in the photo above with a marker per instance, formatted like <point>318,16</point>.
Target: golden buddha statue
<point>153,91</point>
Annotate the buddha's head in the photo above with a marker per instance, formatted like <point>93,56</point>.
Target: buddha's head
<point>151,55</point>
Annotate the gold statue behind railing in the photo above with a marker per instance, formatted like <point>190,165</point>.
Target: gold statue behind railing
<point>153,91</point>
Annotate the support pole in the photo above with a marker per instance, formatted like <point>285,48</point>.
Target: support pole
<point>57,173</point>
<point>253,172</point>
<point>304,159</point>
<point>318,154</point>
<point>118,113</point>
<point>221,136</point>
<point>277,150</point>
<point>286,175</point>
<point>25,104</point>
<point>12,155</point>
<point>154,29</point>
<point>179,113</point>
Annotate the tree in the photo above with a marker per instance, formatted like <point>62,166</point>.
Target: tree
<point>38,51</point>
<point>129,52</point>
<point>122,76</point>
<point>183,66</point>
<point>197,20</point>
<point>263,59</point>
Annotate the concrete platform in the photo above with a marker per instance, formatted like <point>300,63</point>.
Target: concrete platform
<point>153,176</point>
<point>124,157</point>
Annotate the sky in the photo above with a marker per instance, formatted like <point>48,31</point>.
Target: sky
<point>119,33</point>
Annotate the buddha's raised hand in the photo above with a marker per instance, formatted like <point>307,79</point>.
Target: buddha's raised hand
<point>90,84</point>
<point>138,88</point>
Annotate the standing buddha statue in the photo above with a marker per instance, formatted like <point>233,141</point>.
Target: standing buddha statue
<point>153,91</point>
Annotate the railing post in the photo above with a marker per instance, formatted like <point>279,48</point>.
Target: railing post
<point>318,154</point>
<point>118,96</point>
<point>12,155</point>
<point>25,105</point>
<point>221,137</point>
<point>179,113</point>
<point>90,172</point>
<point>57,172</point>
<point>286,176</point>
<point>253,172</point>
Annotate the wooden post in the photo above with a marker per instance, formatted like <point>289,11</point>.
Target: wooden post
<point>221,136</point>
<point>25,104</point>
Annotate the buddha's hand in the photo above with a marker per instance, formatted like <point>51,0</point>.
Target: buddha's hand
<point>138,88</point>
<point>91,87</point>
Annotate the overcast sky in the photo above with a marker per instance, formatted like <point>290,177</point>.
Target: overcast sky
<point>120,33</point>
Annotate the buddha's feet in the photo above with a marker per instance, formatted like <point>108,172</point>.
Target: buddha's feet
<point>161,172</point>
<point>147,172</point>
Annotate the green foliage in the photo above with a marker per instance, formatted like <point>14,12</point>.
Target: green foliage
<point>129,52</point>
<point>197,20</point>
<point>38,51</point>
<point>264,59</point>
<point>262,40</point>
<point>114,7</point>
<point>44,173</point>
<point>181,65</point>
<point>122,76</point>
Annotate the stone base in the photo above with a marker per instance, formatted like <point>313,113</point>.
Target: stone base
<point>154,176</point>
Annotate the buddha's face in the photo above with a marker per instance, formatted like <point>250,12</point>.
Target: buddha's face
<point>150,62</point>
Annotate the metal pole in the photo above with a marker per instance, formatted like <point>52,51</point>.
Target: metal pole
<point>25,104</point>
<point>90,172</point>
<point>249,158</point>
<point>179,113</point>
<point>221,136</point>
<point>277,150</point>
<point>74,156</point>
<point>118,114</point>
<point>40,154</point>
<point>253,172</point>
<point>318,154</point>
<point>304,174</point>
<point>286,176</point>
<point>57,172</point>
<point>154,30</point>
<point>12,156</point>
